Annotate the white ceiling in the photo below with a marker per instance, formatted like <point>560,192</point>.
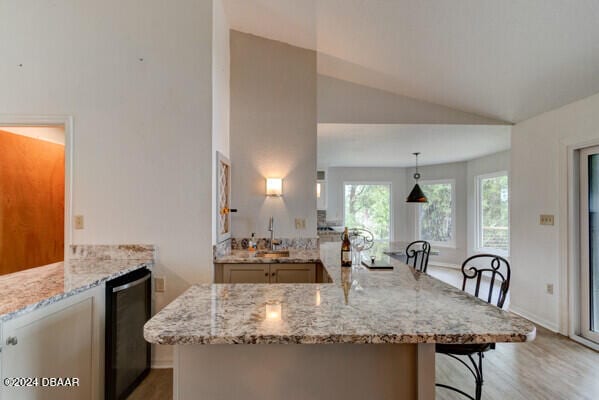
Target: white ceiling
<point>379,145</point>
<point>507,59</point>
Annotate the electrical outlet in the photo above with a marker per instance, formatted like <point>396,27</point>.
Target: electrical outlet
<point>78,222</point>
<point>546,219</point>
<point>300,223</point>
<point>159,284</point>
<point>549,288</point>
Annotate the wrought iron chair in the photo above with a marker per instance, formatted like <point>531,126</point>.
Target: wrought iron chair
<point>417,254</point>
<point>499,273</point>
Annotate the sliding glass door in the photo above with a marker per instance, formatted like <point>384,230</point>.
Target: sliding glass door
<point>589,243</point>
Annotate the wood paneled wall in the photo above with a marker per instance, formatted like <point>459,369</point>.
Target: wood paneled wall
<point>31,202</point>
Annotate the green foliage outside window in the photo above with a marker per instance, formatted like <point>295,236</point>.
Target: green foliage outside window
<point>368,207</point>
<point>436,219</point>
<point>494,212</point>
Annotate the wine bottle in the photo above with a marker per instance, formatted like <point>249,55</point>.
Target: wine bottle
<point>346,250</point>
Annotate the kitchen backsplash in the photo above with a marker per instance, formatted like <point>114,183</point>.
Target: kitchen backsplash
<point>286,243</point>
<point>112,252</point>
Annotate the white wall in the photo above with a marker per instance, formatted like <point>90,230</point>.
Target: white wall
<point>273,134</point>
<point>221,72</point>
<point>539,187</point>
<point>480,166</point>
<point>142,161</point>
<point>342,101</point>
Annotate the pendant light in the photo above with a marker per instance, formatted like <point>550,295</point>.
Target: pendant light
<point>416,195</point>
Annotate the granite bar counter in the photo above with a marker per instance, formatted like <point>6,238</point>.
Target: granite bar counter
<point>88,266</point>
<point>402,311</point>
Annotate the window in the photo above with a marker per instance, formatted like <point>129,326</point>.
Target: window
<point>368,206</point>
<point>436,219</point>
<point>492,213</point>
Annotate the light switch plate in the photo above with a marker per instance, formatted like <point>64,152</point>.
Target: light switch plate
<point>300,223</point>
<point>159,284</point>
<point>78,221</point>
<point>546,219</point>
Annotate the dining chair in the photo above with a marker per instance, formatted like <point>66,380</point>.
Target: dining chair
<point>491,271</point>
<point>417,254</point>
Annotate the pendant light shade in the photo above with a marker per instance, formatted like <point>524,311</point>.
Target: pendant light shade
<point>416,195</point>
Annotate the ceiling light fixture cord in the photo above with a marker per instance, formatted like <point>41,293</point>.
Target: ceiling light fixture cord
<point>416,174</point>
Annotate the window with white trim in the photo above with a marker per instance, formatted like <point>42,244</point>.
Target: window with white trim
<point>435,220</point>
<point>492,213</point>
<point>368,206</point>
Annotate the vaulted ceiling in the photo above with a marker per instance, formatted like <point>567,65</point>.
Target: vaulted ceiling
<point>508,60</point>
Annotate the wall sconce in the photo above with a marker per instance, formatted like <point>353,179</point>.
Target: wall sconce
<point>274,186</point>
<point>318,190</point>
<point>273,311</point>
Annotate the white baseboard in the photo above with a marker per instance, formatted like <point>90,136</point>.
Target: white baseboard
<point>162,364</point>
<point>552,326</point>
<point>443,264</point>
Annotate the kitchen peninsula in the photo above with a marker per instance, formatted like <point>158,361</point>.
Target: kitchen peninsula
<point>368,334</point>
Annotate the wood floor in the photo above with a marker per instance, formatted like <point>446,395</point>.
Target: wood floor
<point>552,367</point>
<point>158,385</point>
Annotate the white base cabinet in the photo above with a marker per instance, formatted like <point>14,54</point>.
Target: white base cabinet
<point>61,340</point>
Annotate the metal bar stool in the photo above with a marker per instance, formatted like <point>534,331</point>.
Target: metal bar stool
<point>417,254</point>
<point>498,270</point>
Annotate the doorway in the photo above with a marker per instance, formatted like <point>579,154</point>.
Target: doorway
<point>34,191</point>
<point>589,243</point>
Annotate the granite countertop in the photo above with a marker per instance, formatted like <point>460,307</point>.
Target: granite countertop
<point>360,306</point>
<point>28,290</point>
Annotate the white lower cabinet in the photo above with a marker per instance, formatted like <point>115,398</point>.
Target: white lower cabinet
<point>58,341</point>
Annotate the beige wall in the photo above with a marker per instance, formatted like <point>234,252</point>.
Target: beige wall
<point>273,134</point>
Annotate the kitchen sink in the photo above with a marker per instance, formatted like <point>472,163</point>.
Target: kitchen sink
<point>272,253</point>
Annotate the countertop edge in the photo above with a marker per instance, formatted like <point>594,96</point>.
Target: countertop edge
<point>338,339</point>
<point>61,296</point>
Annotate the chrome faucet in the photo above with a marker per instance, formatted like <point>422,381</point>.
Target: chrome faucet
<point>271,229</point>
